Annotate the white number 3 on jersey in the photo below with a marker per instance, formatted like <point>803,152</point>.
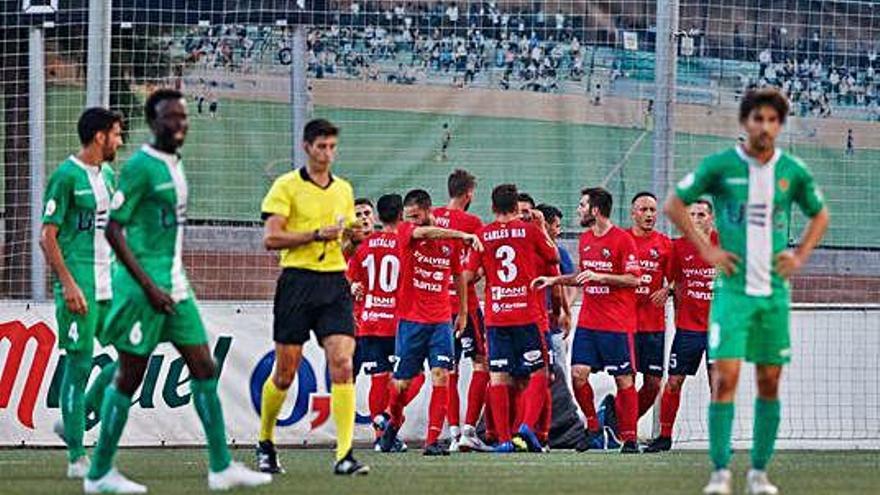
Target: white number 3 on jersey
<point>508,272</point>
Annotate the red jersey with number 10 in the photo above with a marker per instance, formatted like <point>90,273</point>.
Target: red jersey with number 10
<point>605,307</point>
<point>654,251</point>
<point>512,253</point>
<point>376,265</point>
<point>694,281</point>
<point>464,222</point>
<point>426,272</point>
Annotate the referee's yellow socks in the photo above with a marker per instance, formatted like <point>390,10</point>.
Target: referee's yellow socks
<point>270,407</point>
<point>343,409</point>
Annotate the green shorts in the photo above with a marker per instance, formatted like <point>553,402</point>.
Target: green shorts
<point>77,333</point>
<point>133,326</point>
<point>754,328</point>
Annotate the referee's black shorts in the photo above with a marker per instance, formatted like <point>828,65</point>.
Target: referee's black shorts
<point>307,301</point>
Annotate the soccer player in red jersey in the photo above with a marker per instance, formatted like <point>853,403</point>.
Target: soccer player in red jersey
<point>653,251</point>
<point>470,343</point>
<point>430,262</point>
<point>510,260</point>
<point>693,279</point>
<point>603,340</point>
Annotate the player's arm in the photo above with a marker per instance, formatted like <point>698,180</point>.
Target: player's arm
<point>612,279</point>
<point>460,281</point>
<point>158,298</point>
<point>550,281</point>
<point>441,233</point>
<point>73,295</point>
<point>813,205</point>
<point>275,237</point>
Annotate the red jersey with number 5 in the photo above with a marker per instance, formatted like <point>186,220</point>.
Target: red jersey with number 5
<point>694,281</point>
<point>606,307</point>
<point>376,265</point>
<point>654,251</point>
<point>512,253</point>
<point>465,222</point>
<point>427,267</point>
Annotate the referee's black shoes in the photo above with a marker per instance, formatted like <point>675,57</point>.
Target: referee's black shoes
<point>267,458</point>
<point>348,466</point>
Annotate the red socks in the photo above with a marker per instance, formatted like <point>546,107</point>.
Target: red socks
<point>454,411</point>
<point>476,397</point>
<point>379,393</point>
<point>500,401</point>
<point>533,399</point>
<point>415,386</point>
<point>668,410</point>
<point>627,406</point>
<point>545,421</point>
<point>647,396</point>
<point>584,397</point>
<point>396,404</point>
<point>437,413</point>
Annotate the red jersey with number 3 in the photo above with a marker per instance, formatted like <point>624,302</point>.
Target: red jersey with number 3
<point>427,267</point>
<point>465,222</point>
<point>654,252</point>
<point>606,307</point>
<point>512,252</point>
<point>694,281</point>
<point>376,265</point>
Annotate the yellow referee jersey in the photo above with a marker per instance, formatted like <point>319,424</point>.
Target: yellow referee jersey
<point>307,207</point>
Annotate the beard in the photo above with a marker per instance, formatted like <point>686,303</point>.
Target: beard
<point>588,221</point>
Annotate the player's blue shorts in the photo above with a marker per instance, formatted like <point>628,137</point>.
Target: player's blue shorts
<point>649,353</point>
<point>472,341</point>
<point>515,349</point>
<point>688,348</point>
<point>419,341</point>
<point>603,351</point>
<point>374,354</point>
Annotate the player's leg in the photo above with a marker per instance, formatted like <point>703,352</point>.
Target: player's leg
<point>616,350</point>
<point>453,408</point>
<point>500,364</point>
<point>584,357</point>
<point>440,357</point>
<point>95,391</point>
<point>649,352</point>
<point>529,351</point>
<point>370,354</point>
<point>411,350</point>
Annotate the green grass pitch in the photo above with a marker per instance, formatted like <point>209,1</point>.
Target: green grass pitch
<point>232,160</point>
<point>184,471</point>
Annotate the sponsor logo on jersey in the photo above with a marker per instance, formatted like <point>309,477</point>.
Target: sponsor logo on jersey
<point>51,206</point>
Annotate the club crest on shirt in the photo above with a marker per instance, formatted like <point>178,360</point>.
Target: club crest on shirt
<point>606,252</point>
<point>783,184</point>
<point>654,253</point>
<point>445,250</point>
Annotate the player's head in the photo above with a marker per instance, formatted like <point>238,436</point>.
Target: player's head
<point>762,113</point>
<point>417,207</point>
<point>166,114</point>
<point>702,215</point>
<point>644,211</point>
<point>102,129</point>
<point>390,208</point>
<point>552,219</point>
<point>461,185</point>
<point>524,204</point>
<point>363,211</point>
<point>595,203</point>
<point>504,199</point>
<point>320,138</point>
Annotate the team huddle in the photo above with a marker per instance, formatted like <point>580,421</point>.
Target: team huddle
<point>388,300</point>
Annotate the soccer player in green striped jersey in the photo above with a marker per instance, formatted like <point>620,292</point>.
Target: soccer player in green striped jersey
<point>76,206</point>
<point>153,300</point>
<point>753,187</point>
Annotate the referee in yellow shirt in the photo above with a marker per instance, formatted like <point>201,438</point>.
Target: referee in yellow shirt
<point>306,212</point>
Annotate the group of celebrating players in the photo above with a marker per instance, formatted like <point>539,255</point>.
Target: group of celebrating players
<point>387,300</point>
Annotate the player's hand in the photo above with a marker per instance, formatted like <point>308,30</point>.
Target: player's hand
<point>565,324</point>
<point>331,233</point>
<point>658,298</point>
<point>461,321</point>
<point>474,242</point>
<point>542,283</point>
<point>788,263</point>
<point>588,276</point>
<point>357,290</point>
<point>721,259</point>
<point>74,299</point>
<point>160,300</point>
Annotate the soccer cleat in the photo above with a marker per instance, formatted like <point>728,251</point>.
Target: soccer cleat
<point>435,450</point>
<point>454,438</point>
<point>58,429</point>
<point>79,468</point>
<point>531,440</point>
<point>348,466</point>
<point>112,482</point>
<point>380,421</point>
<point>388,438</point>
<point>519,443</point>
<point>470,441</point>
<point>630,447</point>
<point>594,440</point>
<point>267,458</point>
<point>659,444</point>
<point>757,483</point>
<point>612,442</point>
<point>399,446</point>
<point>504,448</point>
<point>376,446</point>
<point>719,483</point>
<point>236,475</point>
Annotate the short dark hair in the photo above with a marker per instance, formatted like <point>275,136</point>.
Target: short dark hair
<point>418,197</point>
<point>706,202</point>
<point>504,198</point>
<point>643,194</point>
<point>757,98</point>
<point>390,208</point>
<point>460,182</point>
<point>599,198</point>
<point>550,212</point>
<point>157,97</point>
<point>95,120</point>
<point>526,198</point>
<point>319,128</point>
<point>363,201</point>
